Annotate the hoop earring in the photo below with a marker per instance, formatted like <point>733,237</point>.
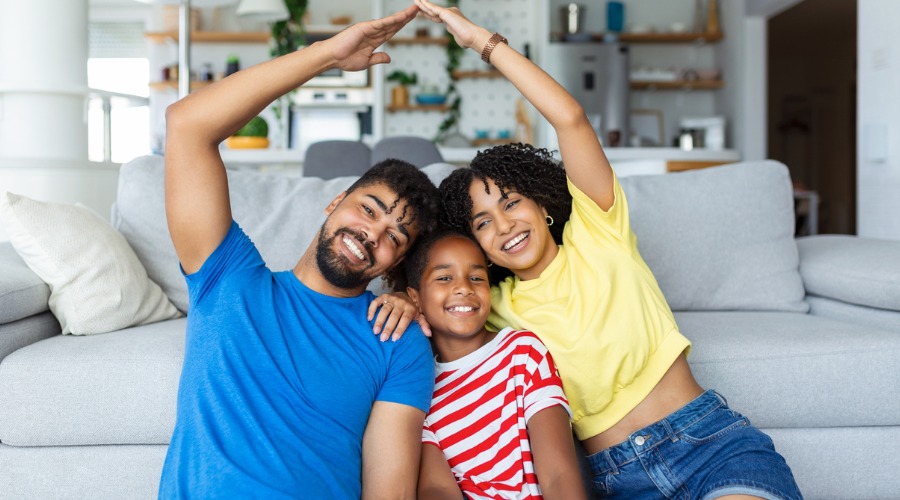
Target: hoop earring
<point>490,263</point>
<point>549,221</point>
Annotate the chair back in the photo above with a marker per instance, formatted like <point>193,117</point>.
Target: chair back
<point>416,150</point>
<point>340,158</point>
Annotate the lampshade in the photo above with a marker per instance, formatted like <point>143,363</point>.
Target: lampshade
<point>263,10</point>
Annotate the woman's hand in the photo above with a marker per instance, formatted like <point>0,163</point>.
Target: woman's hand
<point>465,32</point>
<point>354,48</point>
<point>396,313</point>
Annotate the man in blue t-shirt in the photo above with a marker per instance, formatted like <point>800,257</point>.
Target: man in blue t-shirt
<point>285,391</point>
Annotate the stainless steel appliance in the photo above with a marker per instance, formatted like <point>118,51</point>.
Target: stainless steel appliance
<point>597,75</point>
<point>325,114</point>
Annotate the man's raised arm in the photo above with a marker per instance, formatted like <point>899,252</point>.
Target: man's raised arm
<point>198,208</point>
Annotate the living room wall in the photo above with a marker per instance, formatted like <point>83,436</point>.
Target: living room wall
<point>878,123</point>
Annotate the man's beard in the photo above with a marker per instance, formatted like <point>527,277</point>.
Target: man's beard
<point>334,267</point>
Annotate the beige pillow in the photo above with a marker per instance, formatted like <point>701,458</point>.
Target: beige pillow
<point>97,284</point>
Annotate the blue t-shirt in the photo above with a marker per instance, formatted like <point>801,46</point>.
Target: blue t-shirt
<point>278,383</point>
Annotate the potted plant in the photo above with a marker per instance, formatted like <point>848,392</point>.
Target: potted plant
<point>400,93</point>
<point>253,135</point>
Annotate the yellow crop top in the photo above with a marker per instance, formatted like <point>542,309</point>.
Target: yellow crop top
<point>601,313</point>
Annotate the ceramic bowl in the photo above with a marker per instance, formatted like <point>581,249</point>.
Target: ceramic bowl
<point>431,99</point>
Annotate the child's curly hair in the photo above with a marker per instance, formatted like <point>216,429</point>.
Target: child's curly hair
<point>529,171</point>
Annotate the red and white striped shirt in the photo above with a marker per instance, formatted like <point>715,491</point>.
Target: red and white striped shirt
<point>480,406</point>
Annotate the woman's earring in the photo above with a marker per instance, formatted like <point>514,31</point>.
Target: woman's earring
<point>549,221</point>
<point>490,263</point>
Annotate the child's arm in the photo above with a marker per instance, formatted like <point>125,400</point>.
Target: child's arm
<point>553,453</point>
<point>586,164</point>
<point>436,481</point>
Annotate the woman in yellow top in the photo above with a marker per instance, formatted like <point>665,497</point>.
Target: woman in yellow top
<point>575,277</point>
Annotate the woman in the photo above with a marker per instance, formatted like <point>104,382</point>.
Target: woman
<point>575,276</point>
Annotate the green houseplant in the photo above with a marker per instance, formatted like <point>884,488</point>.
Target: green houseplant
<point>450,124</point>
<point>253,135</point>
<point>400,93</point>
<point>287,36</point>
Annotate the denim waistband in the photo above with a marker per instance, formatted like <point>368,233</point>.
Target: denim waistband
<point>648,438</point>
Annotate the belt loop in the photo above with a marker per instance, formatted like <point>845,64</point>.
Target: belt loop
<point>721,398</point>
<point>614,468</point>
<point>669,430</point>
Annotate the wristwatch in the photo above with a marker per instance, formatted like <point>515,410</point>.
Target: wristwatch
<point>491,44</point>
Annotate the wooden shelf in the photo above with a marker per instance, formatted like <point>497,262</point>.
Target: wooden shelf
<point>209,37</point>
<point>670,37</point>
<point>491,73</point>
<point>173,85</point>
<point>653,37</point>
<point>678,85</point>
<point>419,40</point>
<point>417,107</point>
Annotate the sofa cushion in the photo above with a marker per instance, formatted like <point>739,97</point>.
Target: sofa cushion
<point>280,213</point>
<point>855,270</point>
<point>26,331</point>
<point>851,313</point>
<point>22,292</point>
<point>114,388</point>
<point>97,284</point>
<point>720,238</point>
<point>788,370</point>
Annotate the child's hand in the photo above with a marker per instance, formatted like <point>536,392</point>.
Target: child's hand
<point>466,33</point>
<point>396,312</point>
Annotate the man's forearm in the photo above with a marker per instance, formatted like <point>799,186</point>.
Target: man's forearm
<point>216,112</point>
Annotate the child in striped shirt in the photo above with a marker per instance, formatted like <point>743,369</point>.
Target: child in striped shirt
<point>498,426</point>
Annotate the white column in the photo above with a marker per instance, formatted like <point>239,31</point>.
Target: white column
<point>43,79</point>
<point>43,106</point>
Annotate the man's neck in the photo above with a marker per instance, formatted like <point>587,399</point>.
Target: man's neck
<point>308,272</point>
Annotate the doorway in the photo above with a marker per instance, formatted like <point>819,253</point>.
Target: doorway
<point>812,107</point>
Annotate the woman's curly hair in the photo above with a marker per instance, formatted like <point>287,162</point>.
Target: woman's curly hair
<point>529,171</point>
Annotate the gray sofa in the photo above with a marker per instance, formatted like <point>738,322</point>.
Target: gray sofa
<point>801,336</point>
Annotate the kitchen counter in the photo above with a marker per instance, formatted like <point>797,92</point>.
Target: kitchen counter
<point>632,161</point>
<point>626,161</point>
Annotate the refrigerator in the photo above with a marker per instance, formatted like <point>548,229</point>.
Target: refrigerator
<point>596,74</point>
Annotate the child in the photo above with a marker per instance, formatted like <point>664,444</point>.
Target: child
<point>575,276</point>
<point>499,421</point>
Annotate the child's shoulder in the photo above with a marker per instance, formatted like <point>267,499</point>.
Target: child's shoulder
<point>522,337</point>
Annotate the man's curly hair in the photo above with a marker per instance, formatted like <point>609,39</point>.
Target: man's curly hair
<point>421,195</point>
<point>529,171</point>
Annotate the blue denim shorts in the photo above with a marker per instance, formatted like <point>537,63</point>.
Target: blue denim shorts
<point>702,451</point>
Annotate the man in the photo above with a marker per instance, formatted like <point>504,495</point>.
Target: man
<point>285,391</point>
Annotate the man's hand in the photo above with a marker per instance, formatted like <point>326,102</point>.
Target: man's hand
<point>354,48</point>
<point>396,313</point>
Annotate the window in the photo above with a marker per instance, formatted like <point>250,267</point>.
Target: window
<point>118,72</point>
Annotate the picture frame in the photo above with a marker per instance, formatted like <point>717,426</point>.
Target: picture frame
<point>647,128</point>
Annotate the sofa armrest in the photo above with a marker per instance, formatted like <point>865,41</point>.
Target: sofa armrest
<point>860,271</point>
<point>22,293</point>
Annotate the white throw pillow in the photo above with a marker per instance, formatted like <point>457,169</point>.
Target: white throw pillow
<point>97,284</point>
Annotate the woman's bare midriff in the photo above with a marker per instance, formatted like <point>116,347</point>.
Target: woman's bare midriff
<point>676,389</point>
